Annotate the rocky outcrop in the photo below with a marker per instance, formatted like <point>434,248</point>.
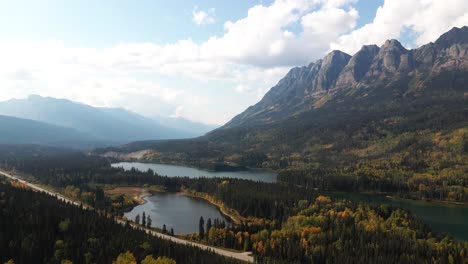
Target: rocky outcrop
<point>302,87</point>
<point>391,59</point>
<point>358,66</point>
<point>448,52</point>
<point>330,68</point>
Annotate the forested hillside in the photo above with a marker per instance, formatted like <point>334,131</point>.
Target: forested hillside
<point>37,228</point>
<point>387,119</point>
<point>280,223</point>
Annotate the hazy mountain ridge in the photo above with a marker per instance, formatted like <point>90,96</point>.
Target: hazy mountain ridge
<point>23,131</point>
<point>185,125</point>
<point>106,124</point>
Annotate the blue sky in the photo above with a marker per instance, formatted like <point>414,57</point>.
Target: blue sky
<point>201,60</point>
<point>89,23</point>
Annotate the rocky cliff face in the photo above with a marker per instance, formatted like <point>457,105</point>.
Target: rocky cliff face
<point>303,87</point>
<point>357,67</point>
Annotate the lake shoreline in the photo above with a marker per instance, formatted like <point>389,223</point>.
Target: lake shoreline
<point>221,208</point>
<point>173,170</point>
<point>179,211</point>
<point>395,197</point>
<point>245,168</point>
<point>230,217</point>
<point>209,169</point>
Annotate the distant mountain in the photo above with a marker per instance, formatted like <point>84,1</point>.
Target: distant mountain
<point>22,131</point>
<point>195,128</point>
<point>386,116</point>
<point>107,124</point>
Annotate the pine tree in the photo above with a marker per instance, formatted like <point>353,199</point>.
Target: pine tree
<point>148,222</point>
<point>208,225</point>
<point>137,219</point>
<point>201,228</point>
<point>143,219</point>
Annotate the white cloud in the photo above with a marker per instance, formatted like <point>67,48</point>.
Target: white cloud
<point>427,19</point>
<point>200,17</point>
<point>263,39</point>
<point>219,77</point>
<point>330,21</point>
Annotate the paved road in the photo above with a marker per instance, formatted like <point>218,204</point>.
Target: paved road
<point>40,189</point>
<point>240,256</point>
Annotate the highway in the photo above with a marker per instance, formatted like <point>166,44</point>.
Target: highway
<point>245,256</point>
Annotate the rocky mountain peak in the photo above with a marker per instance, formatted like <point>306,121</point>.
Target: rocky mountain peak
<point>312,86</point>
<point>391,58</point>
<point>358,66</point>
<point>453,36</point>
<point>330,68</point>
<point>335,57</point>
<point>393,44</point>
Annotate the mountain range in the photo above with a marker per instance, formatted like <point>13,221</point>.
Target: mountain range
<point>108,126</point>
<point>310,87</point>
<point>385,112</point>
<point>20,131</point>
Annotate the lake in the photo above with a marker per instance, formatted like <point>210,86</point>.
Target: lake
<point>445,218</point>
<point>175,170</point>
<point>176,211</point>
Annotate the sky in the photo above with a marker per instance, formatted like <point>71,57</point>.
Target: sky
<point>205,61</point>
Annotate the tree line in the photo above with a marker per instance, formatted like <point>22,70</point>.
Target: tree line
<point>37,228</point>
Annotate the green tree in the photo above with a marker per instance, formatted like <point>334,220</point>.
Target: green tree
<point>64,225</point>
<point>88,258</point>
<point>137,219</point>
<point>148,222</point>
<point>201,228</point>
<point>59,252</point>
<point>208,225</point>
<point>143,219</point>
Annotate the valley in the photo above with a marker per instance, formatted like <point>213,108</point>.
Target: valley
<point>445,218</point>
<point>350,159</point>
<point>387,120</point>
<point>270,212</point>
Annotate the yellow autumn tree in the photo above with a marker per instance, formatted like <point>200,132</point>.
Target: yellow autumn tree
<point>160,260</point>
<point>125,258</point>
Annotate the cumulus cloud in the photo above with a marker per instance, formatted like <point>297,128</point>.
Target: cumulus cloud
<point>262,38</point>
<point>427,19</point>
<point>200,17</point>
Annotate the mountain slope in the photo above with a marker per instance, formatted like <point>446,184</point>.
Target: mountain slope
<point>306,88</point>
<point>110,124</point>
<point>392,119</point>
<point>22,131</point>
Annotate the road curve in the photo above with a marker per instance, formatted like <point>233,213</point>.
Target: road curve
<point>245,256</point>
